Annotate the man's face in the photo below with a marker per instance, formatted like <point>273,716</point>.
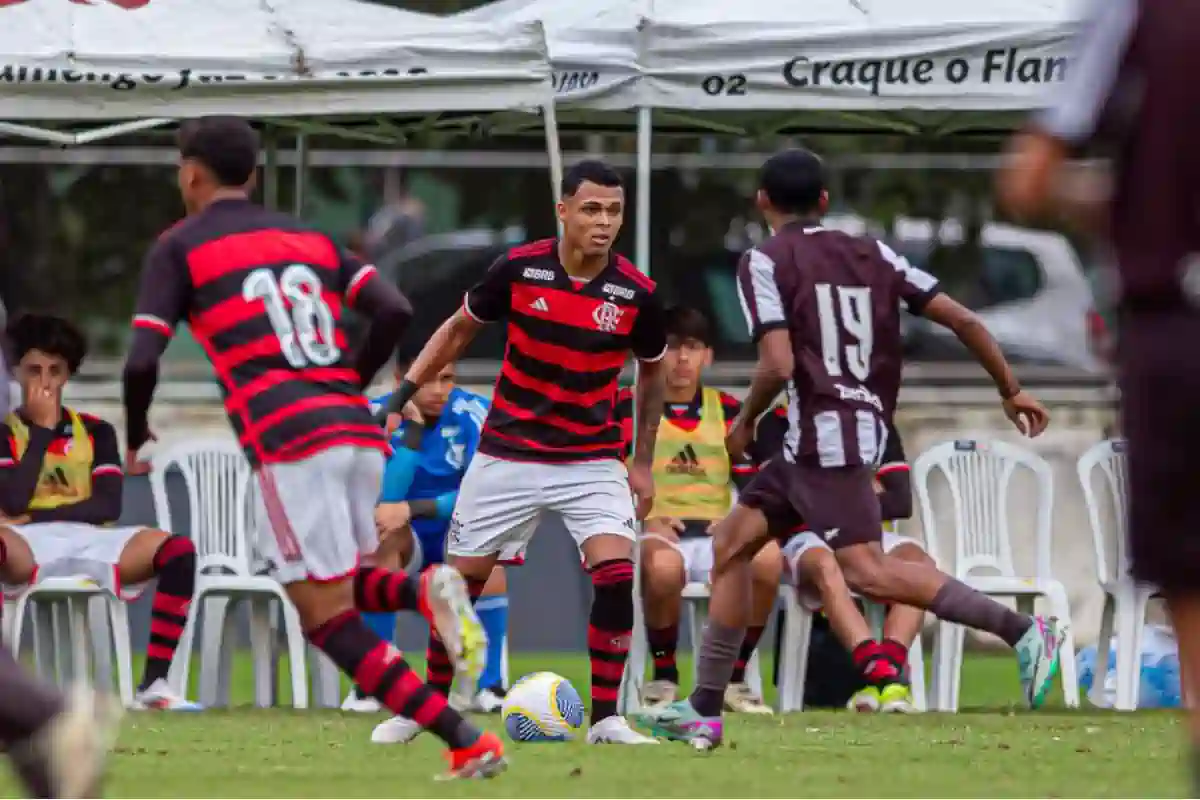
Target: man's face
<point>592,217</point>
<point>431,398</point>
<point>685,361</point>
<point>38,370</point>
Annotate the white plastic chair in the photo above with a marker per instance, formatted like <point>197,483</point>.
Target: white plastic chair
<point>91,612</point>
<point>219,487</point>
<point>1125,600</point>
<point>979,474</point>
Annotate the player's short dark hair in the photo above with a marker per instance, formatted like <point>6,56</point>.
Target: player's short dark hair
<point>52,335</point>
<point>589,171</point>
<point>685,322</point>
<point>228,146</point>
<point>793,181</point>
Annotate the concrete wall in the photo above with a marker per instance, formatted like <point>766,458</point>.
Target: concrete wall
<point>550,595</point>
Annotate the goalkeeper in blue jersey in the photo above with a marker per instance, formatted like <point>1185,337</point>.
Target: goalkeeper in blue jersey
<point>420,485</point>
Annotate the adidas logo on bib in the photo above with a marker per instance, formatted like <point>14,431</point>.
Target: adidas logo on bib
<point>686,462</point>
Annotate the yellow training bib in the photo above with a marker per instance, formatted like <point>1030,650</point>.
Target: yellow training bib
<point>691,468</point>
<point>65,478</point>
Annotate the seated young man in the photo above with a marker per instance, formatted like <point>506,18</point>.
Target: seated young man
<point>819,583</point>
<point>60,497</point>
<point>693,476</point>
<point>432,450</point>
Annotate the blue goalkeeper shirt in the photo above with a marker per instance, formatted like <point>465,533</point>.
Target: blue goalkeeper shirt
<point>436,470</point>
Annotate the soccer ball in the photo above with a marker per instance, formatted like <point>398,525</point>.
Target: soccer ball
<point>542,707</point>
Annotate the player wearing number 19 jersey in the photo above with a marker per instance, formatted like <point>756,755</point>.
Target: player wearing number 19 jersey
<point>824,310</point>
<point>265,297</point>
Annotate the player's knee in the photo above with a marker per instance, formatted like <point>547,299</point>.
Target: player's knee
<point>820,567</point>
<point>612,595</point>
<point>912,554</point>
<point>767,566</point>
<point>176,551</point>
<point>662,569</point>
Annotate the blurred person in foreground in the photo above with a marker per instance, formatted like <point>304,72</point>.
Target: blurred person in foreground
<point>824,309</point>
<point>694,479</point>
<point>61,489</point>
<point>268,297</point>
<point>1128,95</point>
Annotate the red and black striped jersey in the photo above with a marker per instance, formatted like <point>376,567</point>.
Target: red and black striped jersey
<point>266,298</point>
<point>567,344</point>
<point>686,416</point>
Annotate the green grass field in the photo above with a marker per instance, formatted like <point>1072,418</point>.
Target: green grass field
<point>990,750</point>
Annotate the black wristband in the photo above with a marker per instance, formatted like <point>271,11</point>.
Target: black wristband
<point>399,399</point>
<point>422,509</point>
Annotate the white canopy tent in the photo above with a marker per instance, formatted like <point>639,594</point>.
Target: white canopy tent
<point>140,64</point>
<point>593,46</point>
<point>903,66</point>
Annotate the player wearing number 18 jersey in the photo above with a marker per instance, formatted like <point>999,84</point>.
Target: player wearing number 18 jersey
<point>824,310</point>
<point>265,297</point>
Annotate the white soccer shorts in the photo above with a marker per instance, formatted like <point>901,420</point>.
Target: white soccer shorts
<point>697,552</point>
<point>77,550</point>
<point>315,518</point>
<point>501,502</point>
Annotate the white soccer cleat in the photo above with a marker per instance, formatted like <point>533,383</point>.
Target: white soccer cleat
<point>451,612</point>
<point>356,704</point>
<point>488,701</point>
<point>616,730</point>
<point>159,696</point>
<point>67,757</point>
<point>659,693</point>
<point>397,730</point>
<point>741,699</point>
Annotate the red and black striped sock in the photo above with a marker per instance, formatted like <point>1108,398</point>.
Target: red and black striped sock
<point>895,652</point>
<point>378,589</point>
<point>439,672</point>
<point>746,653</point>
<point>175,568</point>
<point>875,667</point>
<point>610,628</point>
<point>379,670</point>
<point>663,642</point>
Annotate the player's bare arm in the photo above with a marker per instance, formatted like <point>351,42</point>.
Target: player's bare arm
<point>1022,409</point>
<point>648,399</point>
<point>771,374</point>
<point>446,346</point>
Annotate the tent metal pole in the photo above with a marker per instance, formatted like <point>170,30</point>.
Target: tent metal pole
<point>120,129</point>
<point>645,131</point>
<point>271,168</point>
<point>554,151</point>
<point>301,197</point>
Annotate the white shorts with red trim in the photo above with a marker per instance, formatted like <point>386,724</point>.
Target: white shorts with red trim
<point>500,504</point>
<point>77,550</point>
<point>315,518</point>
<point>806,542</point>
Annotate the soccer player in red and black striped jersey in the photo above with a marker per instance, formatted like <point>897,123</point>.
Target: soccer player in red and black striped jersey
<point>266,297</point>
<point>694,480</point>
<point>551,445</point>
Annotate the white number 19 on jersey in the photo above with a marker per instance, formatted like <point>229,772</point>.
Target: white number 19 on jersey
<point>853,312</point>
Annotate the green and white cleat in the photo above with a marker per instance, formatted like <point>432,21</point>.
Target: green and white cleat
<point>865,701</point>
<point>1037,656</point>
<point>896,698</point>
<point>679,722</point>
